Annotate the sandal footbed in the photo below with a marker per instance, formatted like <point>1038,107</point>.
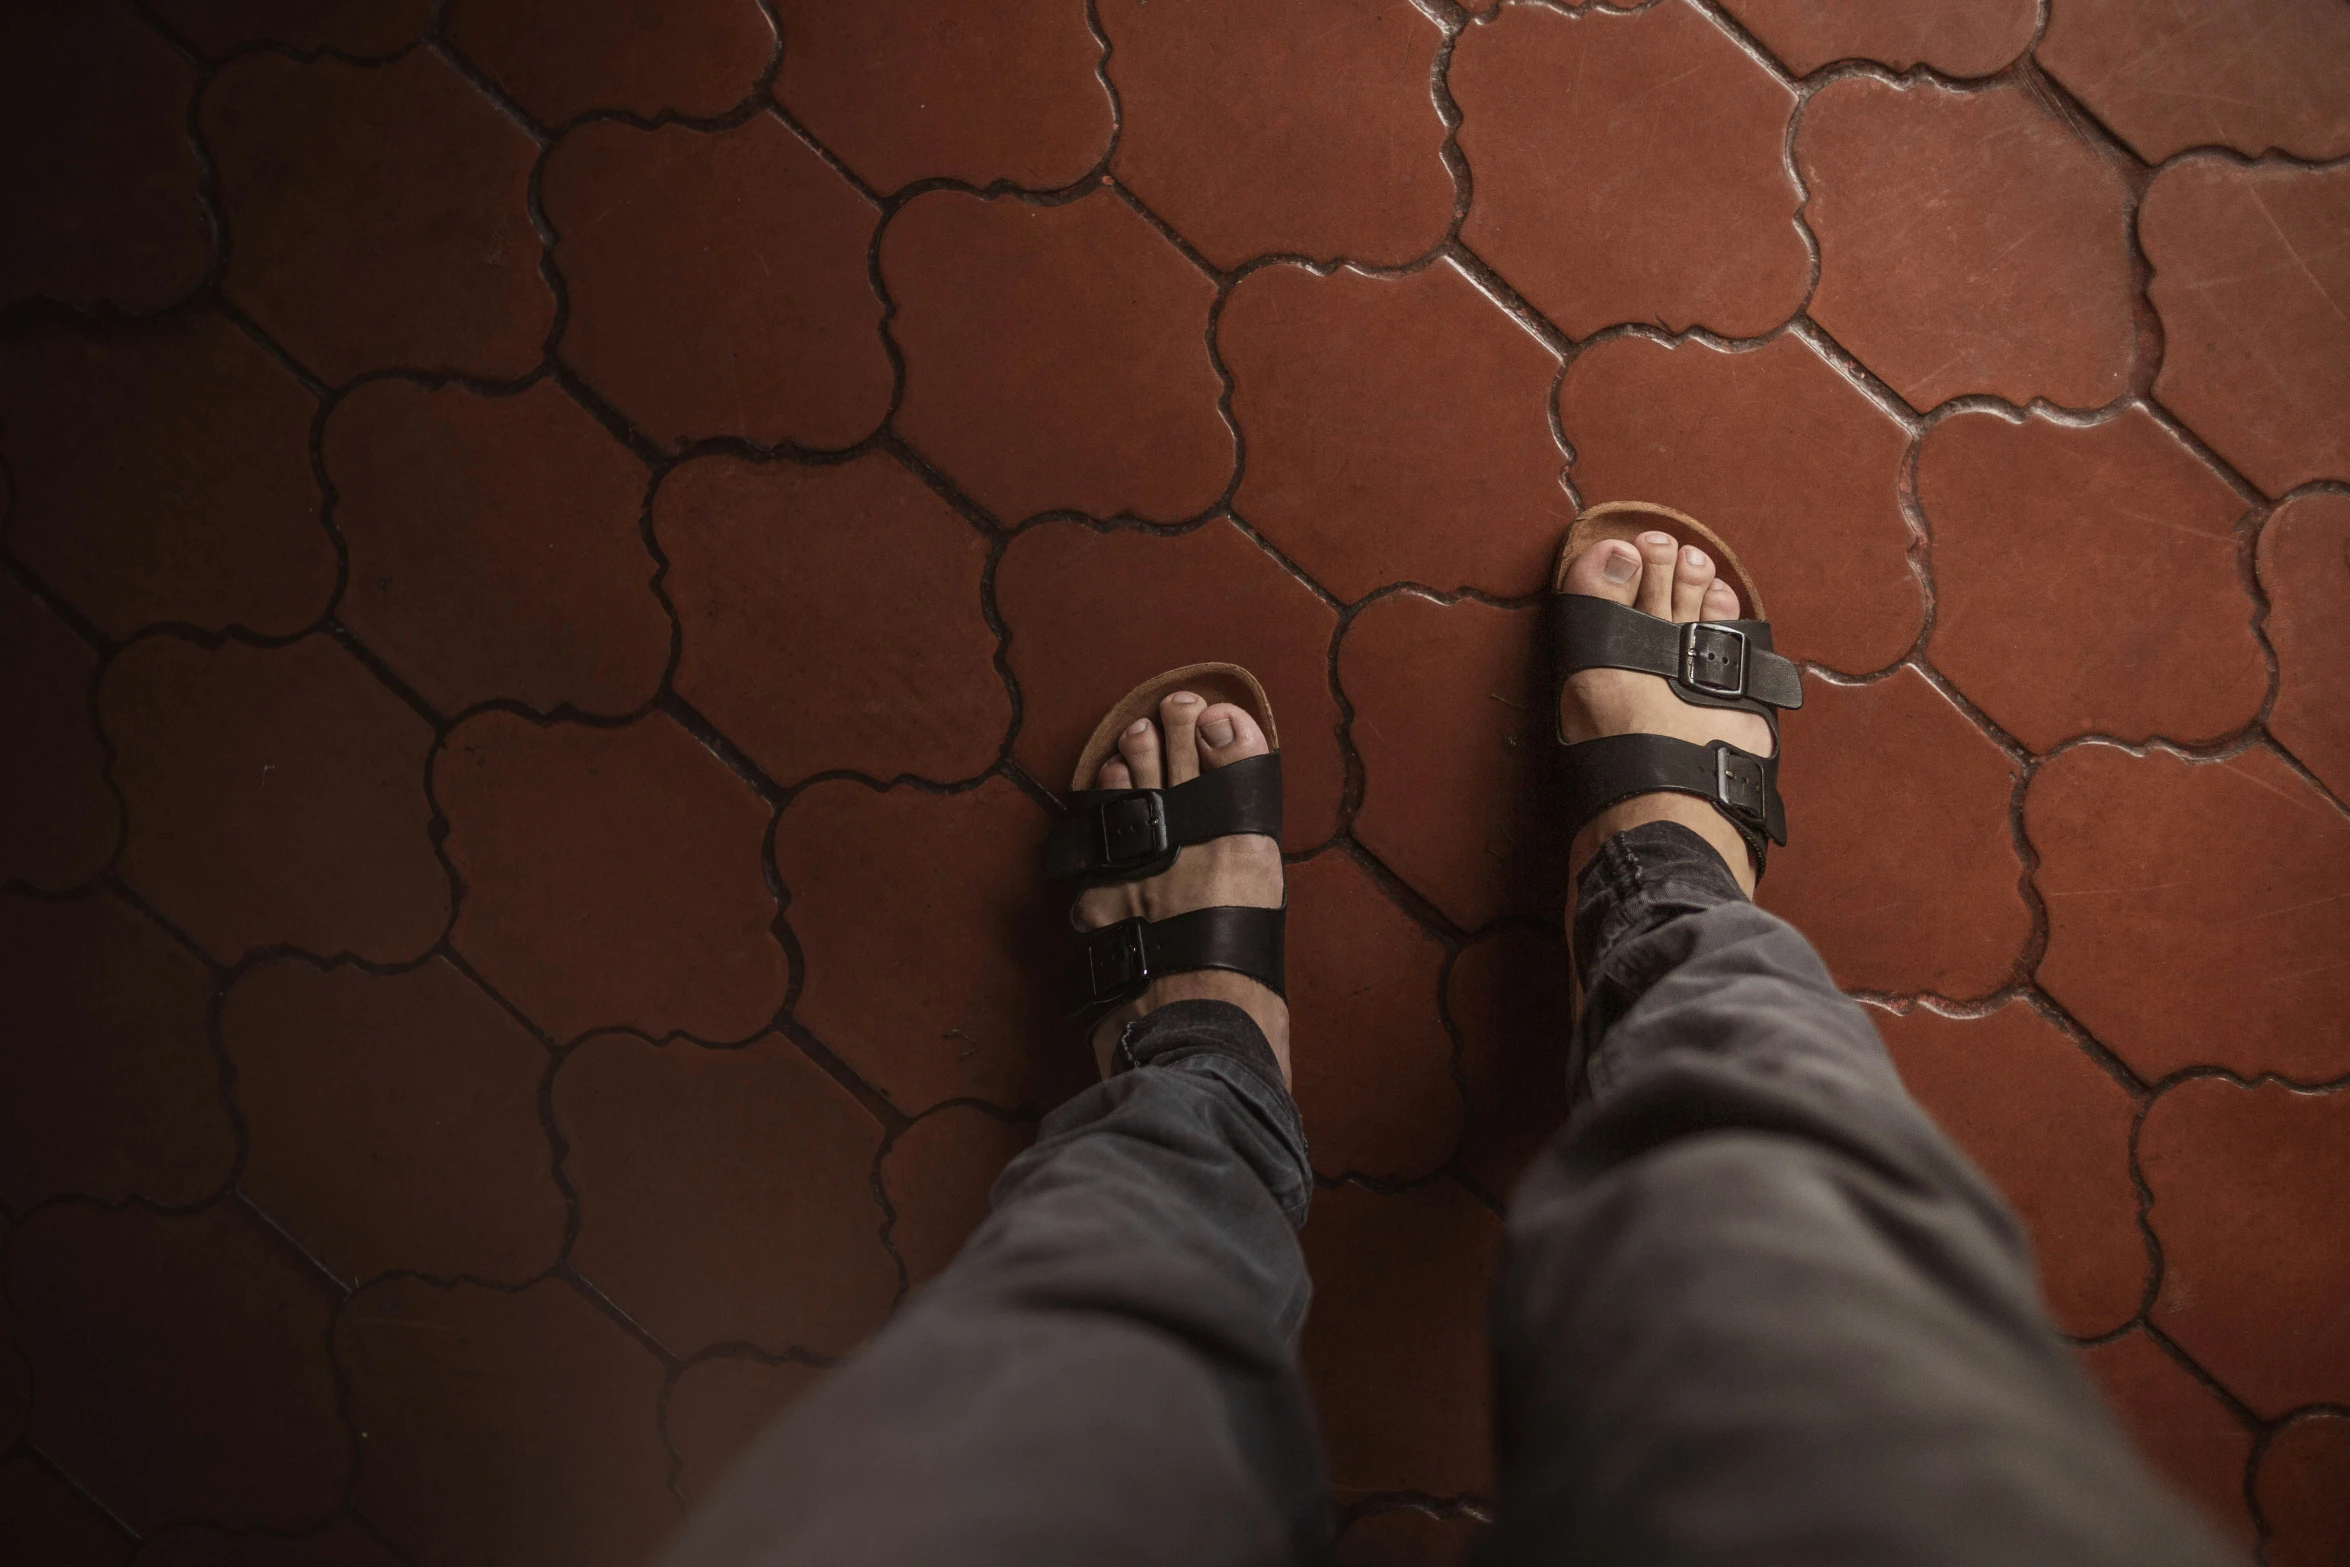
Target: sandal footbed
<point>1213,682</point>
<point>1627,520</point>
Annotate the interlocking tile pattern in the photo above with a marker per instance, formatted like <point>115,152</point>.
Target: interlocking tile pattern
<point>555,554</point>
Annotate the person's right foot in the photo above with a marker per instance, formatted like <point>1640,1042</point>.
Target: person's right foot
<point>1671,582</point>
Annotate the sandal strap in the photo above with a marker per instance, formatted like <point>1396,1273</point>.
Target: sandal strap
<point>1708,663</point>
<point>1742,786</point>
<point>1117,962</point>
<point>1113,835</point>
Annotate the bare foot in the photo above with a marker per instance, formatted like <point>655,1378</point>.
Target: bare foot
<point>1244,869</point>
<point>1671,582</point>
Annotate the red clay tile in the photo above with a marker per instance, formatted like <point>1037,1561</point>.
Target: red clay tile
<point>1783,455</point>
<point>162,472</point>
<point>504,1429</point>
<point>59,823</point>
<point>1092,614</point>
<point>1656,191</point>
<point>725,1196</point>
<point>645,57</point>
<point>717,1408</point>
<point>1408,1537</point>
<point>1373,1062</point>
<point>339,1544</point>
<point>1900,864</point>
<point>2252,280</point>
<point>1299,129</point>
<point>1454,723</point>
<point>2205,72</point>
<point>356,27</point>
<point>1395,428</point>
<point>937,1176</point>
<point>179,1365</point>
<point>45,1523</point>
<point>110,1087</point>
<point>94,153</point>
<point>2302,1479</point>
<point>1954,37</point>
<point>392,1121</point>
<point>379,214</point>
<point>831,617</point>
<point>2185,900</point>
<point>1969,242</point>
<point>927,942</point>
<point>2246,1185</point>
<point>2189,1436</point>
<point>2163,646</point>
<point>718,283</point>
<point>1056,357</point>
<point>275,795</point>
<point>612,877</point>
<point>2052,1130</point>
<point>1395,1348</point>
<point>1507,995</point>
<point>494,548</point>
<point>2305,571</point>
<point>901,91</point>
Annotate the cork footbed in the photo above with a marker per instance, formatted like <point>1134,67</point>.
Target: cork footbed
<point>1213,682</point>
<point>1628,519</point>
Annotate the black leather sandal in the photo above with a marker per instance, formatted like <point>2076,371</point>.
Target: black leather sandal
<point>1710,663</point>
<point>1116,835</point>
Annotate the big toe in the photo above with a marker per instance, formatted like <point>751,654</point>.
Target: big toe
<point>1227,734</point>
<point>1609,569</point>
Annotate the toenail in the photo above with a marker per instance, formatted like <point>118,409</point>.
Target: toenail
<point>1139,726</point>
<point>1622,566</point>
<point>1217,732</point>
<point>1185,699</point>
<point>1696,557</point>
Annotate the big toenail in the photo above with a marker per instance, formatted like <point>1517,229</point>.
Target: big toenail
<point>1621,566</point>
<point>1217,732</point>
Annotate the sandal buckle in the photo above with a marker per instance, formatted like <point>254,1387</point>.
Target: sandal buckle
<point>1713,658</point>
<point>1115,967</point>
<point>1741,785</point>
<point>1133,829</point>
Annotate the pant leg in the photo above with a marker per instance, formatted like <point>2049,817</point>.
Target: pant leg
<point>1107,1372</point>
<point>1756,1308</point>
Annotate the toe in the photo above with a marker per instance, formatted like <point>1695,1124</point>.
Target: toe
<point>1660,556</point>
<point>1692,575</point>
<point>1140,746</point>
<point>1609,569</point>
<point>1227,733</point>
<point>1721,602</point>
<point>1178,721</point>
<point>1114,775</point>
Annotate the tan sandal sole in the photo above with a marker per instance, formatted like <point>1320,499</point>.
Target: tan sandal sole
<point>1627,520</point>
<point>1213,682</point>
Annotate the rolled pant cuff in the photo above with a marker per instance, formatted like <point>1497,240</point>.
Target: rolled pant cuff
<point>1639,879</point>
<point>1220,1040</point>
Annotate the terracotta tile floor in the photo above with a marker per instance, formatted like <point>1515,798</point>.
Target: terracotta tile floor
<point>555,552</point>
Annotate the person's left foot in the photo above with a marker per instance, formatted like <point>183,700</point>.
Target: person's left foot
<point>1245,869</point>
<point>1672,582</point>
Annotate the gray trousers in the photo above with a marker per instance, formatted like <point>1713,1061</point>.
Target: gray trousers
<point>1755,1308</point>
